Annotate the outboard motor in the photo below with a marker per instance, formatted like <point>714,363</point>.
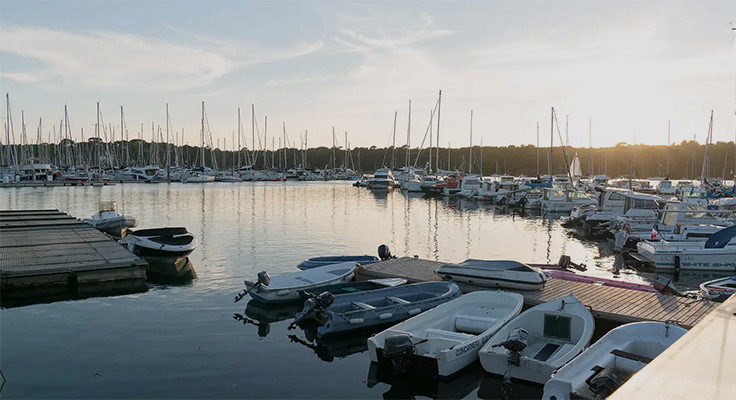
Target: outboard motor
<point>264,278</point>
<point>384,253</point>
<point>604,382</point>
<point>314,309</point>
<point>515,344</point>
<point>566,263</point>
<point>398,349</point>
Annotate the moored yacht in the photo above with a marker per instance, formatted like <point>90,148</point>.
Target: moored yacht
<point>383,179</point>
<point>718,253</point>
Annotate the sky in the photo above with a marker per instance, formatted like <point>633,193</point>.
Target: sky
<point>621,69</point>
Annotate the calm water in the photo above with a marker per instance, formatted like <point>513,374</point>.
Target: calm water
<point>190,341</point>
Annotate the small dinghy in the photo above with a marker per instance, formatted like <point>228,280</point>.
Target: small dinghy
<point>495,273</point>
<point>384,253</point>
<point>611,361</point>
<point>540,340</point>
<point>108,220</point>
<point>447,338</point>
<point>161,245</point>
<point>718,289</point>
<point>352,287</point>
<point>347,312</point>
<point>322,261</point>
<point>286,287</point>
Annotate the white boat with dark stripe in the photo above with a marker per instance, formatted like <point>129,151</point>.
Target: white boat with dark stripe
<point>506,274</point>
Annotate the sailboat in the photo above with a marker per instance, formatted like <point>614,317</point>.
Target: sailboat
<point>201,173</point>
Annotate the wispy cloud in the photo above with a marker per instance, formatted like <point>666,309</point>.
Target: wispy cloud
<point>128,62</point>
<point>295,80</point>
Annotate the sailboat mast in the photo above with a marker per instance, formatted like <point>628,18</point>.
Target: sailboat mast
<point>239,133</point>
<point>668,148</point>
<point>439,107</point>
<point>393,144</point>
<point>481,158</point>
<point>202,134</point>
<point>431,116</point>
<point>470,159</point>
<point>551,140</point>
<point>590,145</point>
<point>408,138</point>
<point>537,150</point>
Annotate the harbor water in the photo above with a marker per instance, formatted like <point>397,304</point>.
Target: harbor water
<point>189,340</point>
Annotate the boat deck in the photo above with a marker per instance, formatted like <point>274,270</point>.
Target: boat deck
<point>51,248</point>
<point>613,304</point>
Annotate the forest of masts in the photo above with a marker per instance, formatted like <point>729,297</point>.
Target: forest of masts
<point>162,146</point>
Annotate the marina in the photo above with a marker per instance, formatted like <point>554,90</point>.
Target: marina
<point>339,200</point>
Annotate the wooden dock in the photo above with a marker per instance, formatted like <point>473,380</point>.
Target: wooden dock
<point>606,303</point>
<point>42,248</point>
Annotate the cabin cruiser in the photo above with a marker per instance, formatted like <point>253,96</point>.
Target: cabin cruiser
<point>676,222</point>
<point>198,175</point>
<point>563,200</point>
<point>37,172</point>
<point>147,173</point>
<point>665,188</point>
<point>718,253</point>
<point>108,220</point>
<point>163,245</point>
<point>614,202</point>
<point>449,181</point>
<point>494,190</point>
<point>468,184</point>
<point>383,179</point>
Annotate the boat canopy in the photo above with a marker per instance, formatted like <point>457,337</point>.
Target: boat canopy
<point>721,238</point>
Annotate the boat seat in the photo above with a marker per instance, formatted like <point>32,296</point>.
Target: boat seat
<point>473,324</point>
<point>363,306</point>
<point>451,335</point>
<point>546,352</point>
<point>398,300</point>
<point>631,356</point>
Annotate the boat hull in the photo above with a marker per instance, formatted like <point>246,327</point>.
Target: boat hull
<point>692,257</point>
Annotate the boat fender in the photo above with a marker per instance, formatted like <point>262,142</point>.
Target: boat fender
<point>356,321</point>
<point>283,292</point>
<point>385,316</point>
<point>414,311</point>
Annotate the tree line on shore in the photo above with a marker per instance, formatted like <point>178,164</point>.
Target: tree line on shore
<point>639,161</point>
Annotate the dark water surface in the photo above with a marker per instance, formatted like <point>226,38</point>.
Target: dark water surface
<point>189,340</point>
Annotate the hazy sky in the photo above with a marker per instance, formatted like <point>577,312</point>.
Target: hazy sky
<point>630,66</point>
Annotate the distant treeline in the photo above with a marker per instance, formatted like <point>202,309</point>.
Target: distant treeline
<point>685,159</point>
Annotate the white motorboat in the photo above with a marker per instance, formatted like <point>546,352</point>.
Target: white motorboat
<point>603,367</point>
<point>665,188</point>
<point>718,289</point>
<point>286,287</point>
<point>564,200</point>
<point>442,341</point>
<point>718,253</point>
<point>383,179</point>
<point>198,175</point>
<point>539,341</point>
<point>108,220</point>
<point>505,274</point>
<point>160,245</point>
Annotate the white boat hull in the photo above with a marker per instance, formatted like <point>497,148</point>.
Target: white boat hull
<point>449,336</point>
<point>547,350</point>
<point>286,287</point>
<point>692,256</point>
<point>503,279</point>
<point>624,348</point>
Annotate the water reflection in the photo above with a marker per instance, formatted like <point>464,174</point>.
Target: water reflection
<point>263,315</point>
<point>409,386</point>
<point>329,349</point>
<point>491,388</point>
<point>51,294</point>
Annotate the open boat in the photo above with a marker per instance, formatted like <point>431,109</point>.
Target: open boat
<point>322,261</point>
<point>442,341</point>
<point>353,287</point>
<point>718,289</point>
<point>604,366</point>
<point>286,287</point>
<point>495,274</point>
<point>347,312</point>
<point>163,245</point>
<point>108,220</point>
<point>540,340</point>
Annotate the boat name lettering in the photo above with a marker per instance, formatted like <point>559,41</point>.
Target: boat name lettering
<point>472,346</point>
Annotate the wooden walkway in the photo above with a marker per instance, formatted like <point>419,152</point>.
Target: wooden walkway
<point>607,303</point>
<point>48,247</point>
